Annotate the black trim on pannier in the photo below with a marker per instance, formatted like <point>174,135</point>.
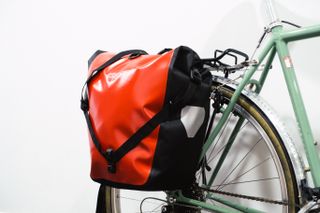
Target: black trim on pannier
<point>176,156</point>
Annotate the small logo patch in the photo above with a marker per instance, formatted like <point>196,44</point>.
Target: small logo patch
<point>288,62</point>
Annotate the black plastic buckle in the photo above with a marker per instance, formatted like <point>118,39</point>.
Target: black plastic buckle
<point>84,105</point>
<point>111,163</point>
<point>196,76</point>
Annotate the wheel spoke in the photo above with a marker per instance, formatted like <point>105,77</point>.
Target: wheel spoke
<point>247,181</point>
<point>244,157</point>
<point>224,128</point>
<point>220,150</point>
<point>252,168</point>
<point>216,155</point>
<point>159,206</point>
<point>138,200</point>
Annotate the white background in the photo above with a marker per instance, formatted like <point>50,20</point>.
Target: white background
<point>44,47</point>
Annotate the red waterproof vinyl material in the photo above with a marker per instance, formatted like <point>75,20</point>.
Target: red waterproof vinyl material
<point>123,97</point>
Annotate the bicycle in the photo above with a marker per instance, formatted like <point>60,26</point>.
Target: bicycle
<point>247,140</point>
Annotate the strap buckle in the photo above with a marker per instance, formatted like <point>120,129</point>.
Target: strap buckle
<point>111,163</point>
<point>84,105</point>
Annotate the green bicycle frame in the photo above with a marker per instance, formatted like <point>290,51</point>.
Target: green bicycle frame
<point>278,43</point>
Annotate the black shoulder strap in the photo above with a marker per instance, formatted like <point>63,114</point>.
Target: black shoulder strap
<point>84,93</point>
<point>102,199</point>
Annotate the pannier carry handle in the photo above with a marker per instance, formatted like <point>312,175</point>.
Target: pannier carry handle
<point>113,156</point>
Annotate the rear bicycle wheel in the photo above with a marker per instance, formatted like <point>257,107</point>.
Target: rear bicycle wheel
<point>256,173</point>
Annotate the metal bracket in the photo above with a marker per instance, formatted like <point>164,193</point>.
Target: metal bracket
<point>309,193</point>
<point>273,25</point>
<point>310,207</point>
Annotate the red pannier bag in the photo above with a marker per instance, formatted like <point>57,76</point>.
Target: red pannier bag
<point>147,117</point>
